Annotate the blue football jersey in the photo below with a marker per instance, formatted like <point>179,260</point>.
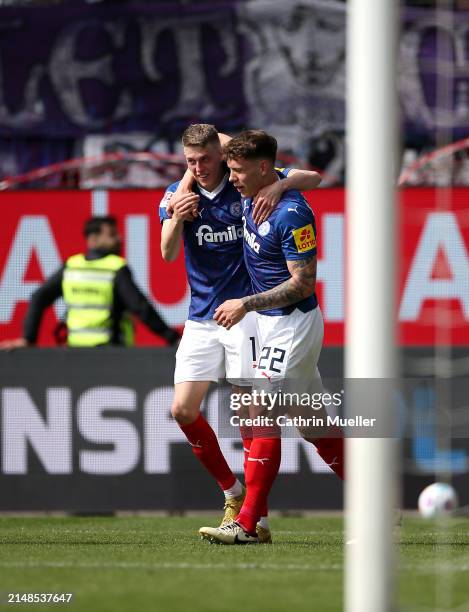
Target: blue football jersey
<point>288,234</point>
<point>213,249</point>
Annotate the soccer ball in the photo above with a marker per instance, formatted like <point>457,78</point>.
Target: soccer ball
<point>438,499</point>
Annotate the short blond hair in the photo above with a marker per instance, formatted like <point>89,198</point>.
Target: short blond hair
<point>200,135</point>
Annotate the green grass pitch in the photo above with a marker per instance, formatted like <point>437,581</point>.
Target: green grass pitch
<point>154,563</point>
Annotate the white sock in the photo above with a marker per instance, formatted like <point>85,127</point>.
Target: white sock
<point>234,491</point>
<point>263,522</point>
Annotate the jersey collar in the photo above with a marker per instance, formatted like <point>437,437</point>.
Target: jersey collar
<point>211,195</point>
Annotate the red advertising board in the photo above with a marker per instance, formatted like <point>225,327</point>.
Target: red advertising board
<point>41,229</point>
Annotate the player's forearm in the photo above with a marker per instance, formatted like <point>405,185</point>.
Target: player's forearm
<point>171,233</point>
<point>300,286</point>
<point>301,180</point>
<point>287,293</point>
<point>186,183</point>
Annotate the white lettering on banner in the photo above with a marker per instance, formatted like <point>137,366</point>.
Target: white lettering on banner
<point>161,431</point>
<point>441,231</point>
<point>293,448</point>
<point>231,448</point>
<point>49,437</point>
<point>194,95</point>
<point>99,202</point>
<point>418,106</point>
<point>138,256</point>
<point>33,109</point>
<point>33,234</point>
<point>66,72</point>
<point>118,431</point>
<point>331,267</point>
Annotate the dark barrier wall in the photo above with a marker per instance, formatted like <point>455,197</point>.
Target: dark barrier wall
<point>90,430</point>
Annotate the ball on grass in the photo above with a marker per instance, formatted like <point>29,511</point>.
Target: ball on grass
<point>438,499</point>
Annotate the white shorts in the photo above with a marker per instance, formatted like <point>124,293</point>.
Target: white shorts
<point>290,346</point>
<point>209,352</point>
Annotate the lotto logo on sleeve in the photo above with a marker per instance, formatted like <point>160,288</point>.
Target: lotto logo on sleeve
<point>305,239</point>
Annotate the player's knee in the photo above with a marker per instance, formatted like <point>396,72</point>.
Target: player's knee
<point>184,413</point>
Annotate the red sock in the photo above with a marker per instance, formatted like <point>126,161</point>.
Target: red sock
<point>246,435</point>
<point>262,468</point>
<point>332,451</point>
<point>205,447</point>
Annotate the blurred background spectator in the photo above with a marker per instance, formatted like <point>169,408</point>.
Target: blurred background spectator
<point>99,293</point>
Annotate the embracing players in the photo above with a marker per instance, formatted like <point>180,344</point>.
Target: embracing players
<point>207,216</point>
<point>281,257</point>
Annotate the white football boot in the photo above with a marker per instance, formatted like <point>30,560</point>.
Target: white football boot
<point>231,533</point>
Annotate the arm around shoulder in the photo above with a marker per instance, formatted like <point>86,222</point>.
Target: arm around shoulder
<point>302,180</point>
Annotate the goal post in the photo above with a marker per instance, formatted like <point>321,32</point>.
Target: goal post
<point>370,353</point>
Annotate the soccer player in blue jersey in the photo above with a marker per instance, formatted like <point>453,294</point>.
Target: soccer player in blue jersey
<point>208,219</point>
<point>281,257</point>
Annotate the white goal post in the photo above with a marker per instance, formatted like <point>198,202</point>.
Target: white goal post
<point>372,129</point>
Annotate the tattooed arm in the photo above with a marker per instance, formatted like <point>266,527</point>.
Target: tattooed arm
<point>300,286</point>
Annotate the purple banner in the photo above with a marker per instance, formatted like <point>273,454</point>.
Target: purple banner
<point>434,74</point>
<point>73,70</point>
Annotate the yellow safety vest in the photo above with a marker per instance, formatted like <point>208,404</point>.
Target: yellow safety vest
<point>88,292</point>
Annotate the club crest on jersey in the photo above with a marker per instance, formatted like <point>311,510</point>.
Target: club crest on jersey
<point>264,228</point>
<point>304,237</point>
<point>205,233</point>
<point>235,209</point>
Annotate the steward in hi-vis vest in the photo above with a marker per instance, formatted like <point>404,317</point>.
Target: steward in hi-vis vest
<point>88,292</point>
<point>99,294</point>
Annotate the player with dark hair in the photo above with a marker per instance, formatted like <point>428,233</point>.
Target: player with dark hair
<point>281,256</point>
<point>99,292</point>
<point>208,219</point>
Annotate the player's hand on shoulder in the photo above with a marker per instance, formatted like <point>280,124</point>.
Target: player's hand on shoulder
<point>185,187</point>
<point>229,313</point>
<point>266,200</point>
<point>185,206</point>
<point>169,203</point>
<point>10,345</point>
